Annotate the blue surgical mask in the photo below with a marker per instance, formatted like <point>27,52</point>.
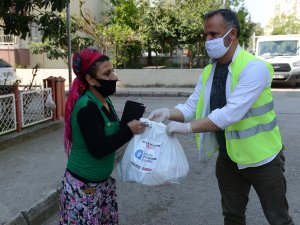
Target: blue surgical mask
<point>215,48</point>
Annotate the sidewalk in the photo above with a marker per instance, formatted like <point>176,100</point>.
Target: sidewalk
<point>31,161</point>
<point>28,162</point>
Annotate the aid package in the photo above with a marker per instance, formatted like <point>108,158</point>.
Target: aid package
<point>153,158</point>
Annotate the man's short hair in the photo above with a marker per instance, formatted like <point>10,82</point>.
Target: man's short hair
<point>230,18</point>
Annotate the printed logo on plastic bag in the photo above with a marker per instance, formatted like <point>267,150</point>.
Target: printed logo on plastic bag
<point>145,155</point>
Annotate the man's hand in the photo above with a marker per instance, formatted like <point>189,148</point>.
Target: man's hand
<point>159,115</point>
<point>180,128</point>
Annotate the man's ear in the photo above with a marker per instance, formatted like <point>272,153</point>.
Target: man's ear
<point>233,34</point>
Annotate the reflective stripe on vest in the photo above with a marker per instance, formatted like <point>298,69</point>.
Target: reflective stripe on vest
<point>256,136</point>
<point>260,110</point>
<point>239,134</point>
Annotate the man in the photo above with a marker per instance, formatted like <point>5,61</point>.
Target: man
<point>231,110</point>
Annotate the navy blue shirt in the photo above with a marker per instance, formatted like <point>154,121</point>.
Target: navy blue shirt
<point>218,100</point>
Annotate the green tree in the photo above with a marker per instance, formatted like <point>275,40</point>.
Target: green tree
<point>258,30</point>
<point>57,46</point>
<point>190,14</point>
<point>18,15</point>
<point>124,12</point>
<point>165,31</point>
<point>120,32</point>
<point>146,30</point>
<point>49,16</point>
<point>118,39</point>
<point>284,25</point>
<point>246,25</point>
<point>164,26</point>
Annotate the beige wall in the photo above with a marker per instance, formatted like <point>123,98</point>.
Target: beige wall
<point>158,77</point>
<point>46,63</point>
<point>128,78</point>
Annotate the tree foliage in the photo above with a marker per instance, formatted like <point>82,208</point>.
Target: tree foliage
<point>258,30</point>
<point>164,31</point>
<point>120,32</point>
<point>49,18</point>
<point>18,15</point>
<point>285,24</point>
<point>57,47</point>
<point>118,37</point>
<point>128,29</point>
<point>166,27</point>
<point>247,27</point>
<point>124,12</point>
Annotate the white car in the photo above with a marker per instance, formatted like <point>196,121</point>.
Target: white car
<point>8,74</point>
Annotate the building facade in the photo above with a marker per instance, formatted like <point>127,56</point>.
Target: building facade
<point>286,8</point>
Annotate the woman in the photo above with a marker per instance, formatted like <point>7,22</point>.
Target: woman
<point>92,135</point>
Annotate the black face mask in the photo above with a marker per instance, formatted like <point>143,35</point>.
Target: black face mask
<point>107,87</point>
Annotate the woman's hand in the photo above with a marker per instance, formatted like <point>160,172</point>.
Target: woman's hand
<point>136,126</point>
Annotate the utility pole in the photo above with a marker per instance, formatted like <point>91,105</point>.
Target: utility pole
<point>69,43</point>
<point>224,3</point>
<point>253,42</point>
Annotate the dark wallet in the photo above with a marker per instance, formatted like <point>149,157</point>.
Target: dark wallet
<point>132,110</point>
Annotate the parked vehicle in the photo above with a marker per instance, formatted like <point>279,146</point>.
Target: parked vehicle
<point>282,51</point>
<point>8,74</point>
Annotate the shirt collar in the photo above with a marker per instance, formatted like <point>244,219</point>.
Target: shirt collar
<point>237,50</point>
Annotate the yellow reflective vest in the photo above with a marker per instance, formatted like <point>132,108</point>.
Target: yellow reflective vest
<point>254,138</point>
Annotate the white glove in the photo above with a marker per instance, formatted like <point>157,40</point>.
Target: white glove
<point>159,115</point>
<point>180,128</point>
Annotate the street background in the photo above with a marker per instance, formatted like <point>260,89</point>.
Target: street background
<point>32,168</point>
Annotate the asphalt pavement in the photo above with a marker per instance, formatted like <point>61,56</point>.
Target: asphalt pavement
<point>32,164</point>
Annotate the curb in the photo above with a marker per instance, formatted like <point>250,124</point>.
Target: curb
<point>10,139</point>
<point>154,93</point>
<point>39,212</point>
<point>42,210</point>
<point>18,220</point>
<point>45,208</point>
<point>150,92</point>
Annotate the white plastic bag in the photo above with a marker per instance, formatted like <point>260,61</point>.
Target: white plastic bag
<point>50,104</point>
<point>153,158</point>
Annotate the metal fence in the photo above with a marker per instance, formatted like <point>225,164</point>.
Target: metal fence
<point>33,107</point>
<point>9,39</point>
<point>8,120</point>
<point>6,89</point>
<point>23,108</point>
